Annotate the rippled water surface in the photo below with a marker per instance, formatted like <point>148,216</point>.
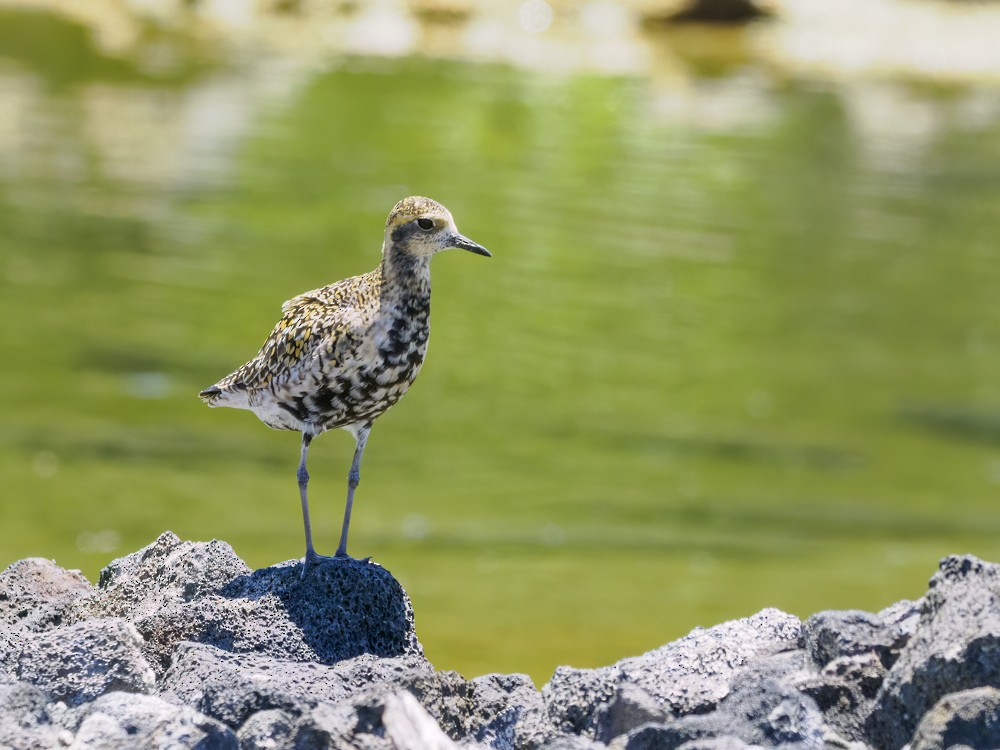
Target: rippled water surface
<point>738,346</point>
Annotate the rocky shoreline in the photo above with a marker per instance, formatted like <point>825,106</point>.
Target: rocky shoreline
<point>182,645</point>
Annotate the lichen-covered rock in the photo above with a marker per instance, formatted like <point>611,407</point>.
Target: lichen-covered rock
<point>78,663</point>
<point>955,647</point>
<point>969,718</point>
<point>690,675</point>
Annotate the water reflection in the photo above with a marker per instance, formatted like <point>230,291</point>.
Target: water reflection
<point>741,324</point>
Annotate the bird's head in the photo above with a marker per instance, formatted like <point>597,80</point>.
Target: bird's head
<point>420,227</point>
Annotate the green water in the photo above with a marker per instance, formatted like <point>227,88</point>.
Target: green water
<point>717,363</point>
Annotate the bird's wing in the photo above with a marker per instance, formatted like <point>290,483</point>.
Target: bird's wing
<point>311,324</point>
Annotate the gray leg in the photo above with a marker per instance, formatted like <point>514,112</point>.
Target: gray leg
<point>361,437</point>
<point>303,477</point>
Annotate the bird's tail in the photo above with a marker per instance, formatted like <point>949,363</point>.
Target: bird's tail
<point>218,395</point>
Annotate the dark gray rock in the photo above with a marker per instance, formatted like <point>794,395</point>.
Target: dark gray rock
<point>175,591</point>
<point>118,721</point>
<point>690,675</point>
<point>956,646</point>
<point>343,608</point>
<point>34,594</point>
<point>758,711</point>
<point>78,663</point>
<point>970,718</point>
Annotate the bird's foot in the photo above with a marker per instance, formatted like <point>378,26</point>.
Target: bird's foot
<point>313,558</point>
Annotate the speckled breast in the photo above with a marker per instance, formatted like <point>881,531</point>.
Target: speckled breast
<point>370,376</point>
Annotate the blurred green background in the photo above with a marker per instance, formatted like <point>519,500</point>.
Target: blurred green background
<point>738,346</point>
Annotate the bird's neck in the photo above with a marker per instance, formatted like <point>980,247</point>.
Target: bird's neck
<point>404,275</point>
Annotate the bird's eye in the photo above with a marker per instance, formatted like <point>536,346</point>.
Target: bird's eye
<point>425,224</point>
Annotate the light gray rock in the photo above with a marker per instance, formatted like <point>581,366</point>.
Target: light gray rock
<point>690,675</point>
<point>572,742</point>
<point>118,721</point>
<point>407,726</point>
<point>25,720</point>
<point>78,663</point>
<point>175,591</point>
<point>164,572</point>
<point>956,646</point>
<point>970,718</point>
<point>718,743</point>
<point>34,594</point>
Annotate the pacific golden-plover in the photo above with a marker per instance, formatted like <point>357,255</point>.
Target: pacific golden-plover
<point>343,354</point>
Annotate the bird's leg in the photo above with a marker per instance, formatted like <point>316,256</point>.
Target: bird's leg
<point>303,477</point>
<point>361,437</point>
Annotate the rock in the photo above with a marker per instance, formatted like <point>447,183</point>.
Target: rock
<point>407,726</point>
<point>118,721</point>
<point>572,742</point>
<point>690,675</point>
<point>175,591</point>
<point>267,660</point>
<point>955,647</point>
<point>35,592</point>
<point>718,743</point>
<point>343,608</point>
<point>758,711</point>
<point>24,718</point>
<point>230,687</point>
<point>393,721</point>
<point>268,730</point>
<point>166,571</point>
<point>833,634</point>
<point>78,663</point>
<point>970,718</point>
<point>509,713</point>
<point>844,691</point>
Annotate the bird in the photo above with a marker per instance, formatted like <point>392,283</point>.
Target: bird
<point>343,354</point>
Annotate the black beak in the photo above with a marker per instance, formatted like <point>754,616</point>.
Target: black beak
<point>466,244</point>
